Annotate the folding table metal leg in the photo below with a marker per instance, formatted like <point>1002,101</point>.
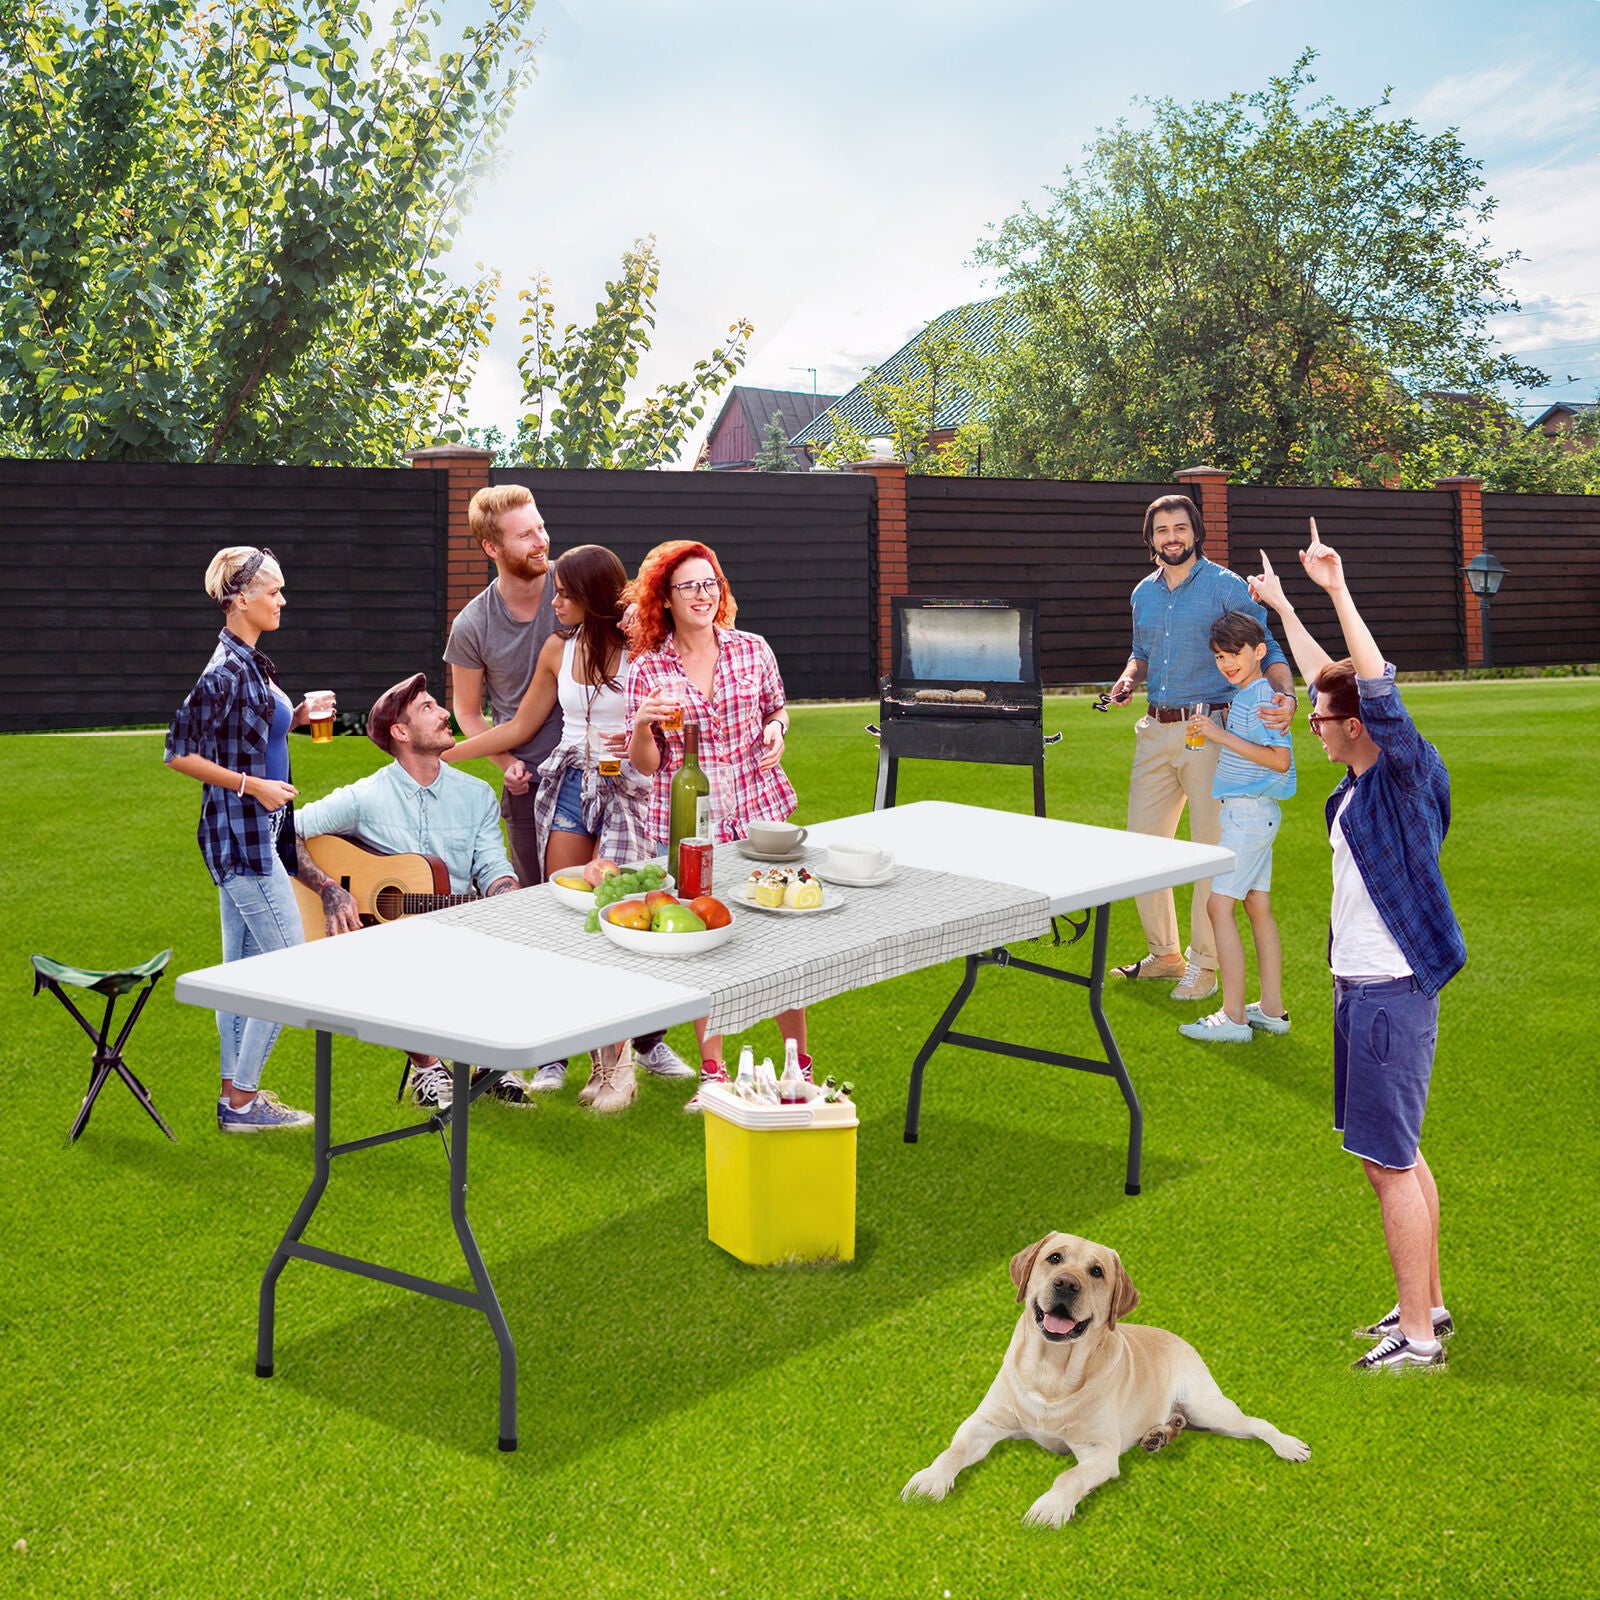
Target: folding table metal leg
<point>932,1043</point>
<point>490,1304</point>
<point>888,772</point>
<point>322,1121</point>
<point>1112,1067</point>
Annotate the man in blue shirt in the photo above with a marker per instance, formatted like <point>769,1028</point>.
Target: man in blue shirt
<point>1173,610</point>
<point>1393,943</point>
<point>420,805</point>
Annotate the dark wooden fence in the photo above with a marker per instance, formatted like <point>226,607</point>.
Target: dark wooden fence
<point>107,624</point>
<point>796,548</point>
<point>102,566</point>
<point>1075,548</point>
<point>1548,609</point>
<point>1401,554</point>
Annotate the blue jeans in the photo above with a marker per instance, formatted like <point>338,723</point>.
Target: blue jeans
<point>258,914</point>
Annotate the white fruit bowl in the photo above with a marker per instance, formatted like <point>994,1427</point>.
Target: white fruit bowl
<point>665,944</point>
<point>583,899</point>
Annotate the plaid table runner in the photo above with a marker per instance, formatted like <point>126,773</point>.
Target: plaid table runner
<point>918,919</point>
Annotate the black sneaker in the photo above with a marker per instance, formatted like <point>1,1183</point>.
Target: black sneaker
<point>510,1090</point>
<point>1443,1327</point>
<point>1395,1353</point>
<point>432,1087</point>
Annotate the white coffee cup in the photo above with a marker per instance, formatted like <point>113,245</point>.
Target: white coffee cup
<point>776,838</point>
<point>855,861</point>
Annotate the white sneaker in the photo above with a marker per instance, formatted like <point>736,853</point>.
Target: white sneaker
<point>662,1061</point>
<point>432,1087</point>
<point>1198,984</point>
<point>1257,1018</point>
<point>549,1078</point>
<point>1218,1028</point>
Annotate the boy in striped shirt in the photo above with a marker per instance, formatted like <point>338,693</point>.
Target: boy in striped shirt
<point>1255,770</point>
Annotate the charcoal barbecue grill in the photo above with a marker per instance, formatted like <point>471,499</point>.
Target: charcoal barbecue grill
<point>964,685</point>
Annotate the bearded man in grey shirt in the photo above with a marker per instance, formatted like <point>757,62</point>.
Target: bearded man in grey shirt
<point>494,644</point>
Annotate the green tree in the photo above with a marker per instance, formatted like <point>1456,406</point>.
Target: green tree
<point>1250,283</point>
<point>1492,444</point>
<point>221,226</point>
<point>574,385</point>
<point>774,454</point>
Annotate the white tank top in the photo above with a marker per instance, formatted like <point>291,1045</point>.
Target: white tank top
<point>583,706</point>
<point>1363,947</point>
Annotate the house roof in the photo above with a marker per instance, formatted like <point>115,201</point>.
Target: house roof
<point>980,327</point>
<point>795,406</point>
<point>1573,408</point>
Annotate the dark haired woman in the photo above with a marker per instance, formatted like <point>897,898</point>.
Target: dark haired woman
<point>582,808</point>
<point>232,735</point>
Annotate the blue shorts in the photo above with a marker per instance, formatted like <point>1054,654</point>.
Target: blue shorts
<point>568,816</point>
<point>1249,825</point>
<point>1384,1036</point>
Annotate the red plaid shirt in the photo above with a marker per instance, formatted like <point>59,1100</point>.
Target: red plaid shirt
<point>746,692</point>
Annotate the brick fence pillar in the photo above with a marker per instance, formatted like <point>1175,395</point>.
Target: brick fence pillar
<point>1212,482</point>
<point>1469,543</point>
<point>466,566</point>
<point>893,567</point>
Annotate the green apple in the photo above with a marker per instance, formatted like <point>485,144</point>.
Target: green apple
<point>676,919</point>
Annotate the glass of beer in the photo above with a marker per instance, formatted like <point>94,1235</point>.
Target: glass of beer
<point>320,705</point>
<point>1193,738</point>
<point>607,745</point>
<point>673,720</point>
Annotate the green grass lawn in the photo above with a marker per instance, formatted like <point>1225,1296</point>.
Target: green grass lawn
<point>693,1426</point>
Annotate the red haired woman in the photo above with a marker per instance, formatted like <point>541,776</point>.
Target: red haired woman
<point>687,652</point>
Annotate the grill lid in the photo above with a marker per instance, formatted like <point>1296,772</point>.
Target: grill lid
<point>964,645</point>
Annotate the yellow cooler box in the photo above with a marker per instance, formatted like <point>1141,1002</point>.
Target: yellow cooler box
<point>780,1180</point>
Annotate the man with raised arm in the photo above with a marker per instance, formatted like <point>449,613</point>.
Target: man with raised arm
<point>1393,943</point>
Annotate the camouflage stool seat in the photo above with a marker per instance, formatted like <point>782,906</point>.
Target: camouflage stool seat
<point>58,976</point>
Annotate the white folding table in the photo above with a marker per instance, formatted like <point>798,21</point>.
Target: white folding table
<point>392,985</point>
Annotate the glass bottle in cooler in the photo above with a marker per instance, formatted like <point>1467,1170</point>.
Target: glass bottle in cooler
<point>792,1085</point>
<point>690,814</point>
<point>744,1085</point>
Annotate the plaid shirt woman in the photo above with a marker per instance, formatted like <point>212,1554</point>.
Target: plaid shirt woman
<point>231,734</point>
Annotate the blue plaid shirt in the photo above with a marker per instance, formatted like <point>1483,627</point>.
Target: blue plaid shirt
<point>1395,825</point>
<point>1171,629</point>
<point>227,718</point>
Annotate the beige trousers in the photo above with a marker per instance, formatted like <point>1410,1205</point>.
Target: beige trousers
<point>1165,776</point>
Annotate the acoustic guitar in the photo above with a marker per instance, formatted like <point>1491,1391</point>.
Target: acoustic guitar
<point>385,886</point>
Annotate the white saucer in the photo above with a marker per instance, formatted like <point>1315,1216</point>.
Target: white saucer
<point>748,850</point>
<point>843,882</point>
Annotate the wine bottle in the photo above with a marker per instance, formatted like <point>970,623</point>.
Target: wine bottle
<point>690,800</point>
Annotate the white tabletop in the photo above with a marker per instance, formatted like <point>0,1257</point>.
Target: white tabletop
<point>408,983</point>
<point>1074,864</point>
<point>421,985</point>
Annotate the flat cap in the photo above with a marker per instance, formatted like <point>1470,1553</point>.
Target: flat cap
<point>390,706</point>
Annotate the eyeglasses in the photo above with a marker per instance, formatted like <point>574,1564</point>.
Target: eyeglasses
<point>1316,719</point>
<point>698,586</point>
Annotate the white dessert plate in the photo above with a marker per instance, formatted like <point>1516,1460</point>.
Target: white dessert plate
<point>831,900</point>
<point>753,853</point>
<point>823,871</point>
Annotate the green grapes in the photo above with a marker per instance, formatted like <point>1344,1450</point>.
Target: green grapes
<point>623,886</point>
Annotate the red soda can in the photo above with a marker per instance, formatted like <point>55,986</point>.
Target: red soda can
<point>694,868</point>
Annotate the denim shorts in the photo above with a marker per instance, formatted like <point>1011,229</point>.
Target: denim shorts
<point>1249,825</point>
<point>1384,1036</point>
<point>568,816</point>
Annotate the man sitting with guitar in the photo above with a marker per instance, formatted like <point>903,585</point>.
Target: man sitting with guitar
<point>421,805</point>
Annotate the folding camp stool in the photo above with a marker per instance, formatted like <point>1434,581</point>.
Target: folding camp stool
<point>51,975</point>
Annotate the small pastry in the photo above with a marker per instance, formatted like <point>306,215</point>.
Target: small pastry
<point>766,888</point>
<point>803,893</point>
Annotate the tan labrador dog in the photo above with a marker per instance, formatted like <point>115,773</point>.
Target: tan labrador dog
<point>1075,1382</point>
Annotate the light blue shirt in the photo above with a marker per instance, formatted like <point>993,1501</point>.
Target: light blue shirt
<point>1171,632</point>
<point>456,817</point>
<point>1238,778</point>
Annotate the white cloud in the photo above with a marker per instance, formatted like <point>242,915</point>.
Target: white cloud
<point>1516,103</point>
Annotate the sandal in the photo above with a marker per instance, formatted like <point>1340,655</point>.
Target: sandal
<point>1140,968</point>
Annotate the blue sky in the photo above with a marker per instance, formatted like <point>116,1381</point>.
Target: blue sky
<point>825,169</point>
